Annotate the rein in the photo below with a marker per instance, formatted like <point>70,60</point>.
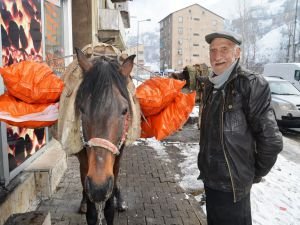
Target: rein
<point>104,143</point>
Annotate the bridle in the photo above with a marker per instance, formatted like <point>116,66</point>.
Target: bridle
<point>104,143</point>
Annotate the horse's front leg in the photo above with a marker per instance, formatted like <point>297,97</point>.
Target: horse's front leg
<point>83,161</point>
<point>121,204</point>
<point>91,213</point>
<point>109,211</point>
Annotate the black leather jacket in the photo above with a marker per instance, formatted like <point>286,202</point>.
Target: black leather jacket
<point>239,138</point>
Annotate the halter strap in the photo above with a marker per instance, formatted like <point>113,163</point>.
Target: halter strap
<point>103,143</point>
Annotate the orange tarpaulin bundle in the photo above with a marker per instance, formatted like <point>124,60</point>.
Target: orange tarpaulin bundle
<point>156,93</point>
<point>22,114</point>
<point>170,119</point>
<point>32,82</point>
<point>173,112</point>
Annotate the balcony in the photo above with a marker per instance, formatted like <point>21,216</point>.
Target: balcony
<point>111,28</point>
<point>116,1</point>
<point>124,10</point>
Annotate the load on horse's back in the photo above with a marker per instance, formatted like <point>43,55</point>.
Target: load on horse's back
<point>98,116</point>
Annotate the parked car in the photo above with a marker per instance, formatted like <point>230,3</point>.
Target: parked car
<point>286,102</point>
<point>287,71</point>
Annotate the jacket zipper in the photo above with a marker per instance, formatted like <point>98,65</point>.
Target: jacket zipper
<point>222,142</point>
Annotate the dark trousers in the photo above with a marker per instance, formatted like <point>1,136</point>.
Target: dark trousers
<point>221,210</point>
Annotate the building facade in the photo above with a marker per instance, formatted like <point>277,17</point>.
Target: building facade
<point>36,31</point>
<point>182,36</point>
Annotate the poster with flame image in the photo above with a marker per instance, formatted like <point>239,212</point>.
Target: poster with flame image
<point>21,30</point>
<point>21,33</point>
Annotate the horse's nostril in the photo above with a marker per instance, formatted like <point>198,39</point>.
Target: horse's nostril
<point>99,192</point>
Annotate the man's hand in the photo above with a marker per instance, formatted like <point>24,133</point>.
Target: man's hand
<point>256,180</point>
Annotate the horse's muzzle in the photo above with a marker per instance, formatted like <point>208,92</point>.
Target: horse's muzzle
<point>99,193</point>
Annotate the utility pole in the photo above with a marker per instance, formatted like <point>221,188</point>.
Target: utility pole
<point>294,35</point>
<point>137,44</point>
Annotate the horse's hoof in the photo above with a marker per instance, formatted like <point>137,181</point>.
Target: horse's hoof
<point>121,207</point>
<point>83,208</point>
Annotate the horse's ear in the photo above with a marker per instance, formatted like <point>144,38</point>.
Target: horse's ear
<point>127,66</point>
<point>83,62</point>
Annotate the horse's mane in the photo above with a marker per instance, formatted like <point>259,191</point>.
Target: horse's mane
<point>98,84</point>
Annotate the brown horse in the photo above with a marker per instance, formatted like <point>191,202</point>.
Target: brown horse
<point>103,107</point>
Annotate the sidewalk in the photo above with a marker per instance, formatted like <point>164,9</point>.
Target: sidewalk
<point>149,188</point>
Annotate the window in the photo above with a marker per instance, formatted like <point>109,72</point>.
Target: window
<point>196,55</point>
<point>195,44</point>
<point>179,61</point>
<point>196,34</point>
<point>197,19</point>
<point>179,51</point>
<point>180,41</point>
<point>180,30</point>
<point>297,75</point>
<point>180,19</point>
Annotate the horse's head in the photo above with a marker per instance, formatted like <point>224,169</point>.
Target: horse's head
<point>103,107</point>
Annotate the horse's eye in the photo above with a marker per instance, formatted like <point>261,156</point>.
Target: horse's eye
<point>124,111</point>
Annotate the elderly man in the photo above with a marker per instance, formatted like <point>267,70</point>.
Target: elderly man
<point>240,139</point>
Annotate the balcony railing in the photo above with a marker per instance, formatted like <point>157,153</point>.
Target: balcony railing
<point>110,19</point>
<point>111,26</point>
<point>115,1</point>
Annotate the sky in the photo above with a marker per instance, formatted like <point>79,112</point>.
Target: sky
<point>157,10</point>
<point>274,201</point>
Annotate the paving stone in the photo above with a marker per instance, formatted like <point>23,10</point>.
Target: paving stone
<point>173,221</point>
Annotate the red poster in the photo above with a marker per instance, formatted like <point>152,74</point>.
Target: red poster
<point>21,30</point>
<point>21,34</point>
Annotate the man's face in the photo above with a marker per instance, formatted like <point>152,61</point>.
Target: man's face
<point>223,53</point>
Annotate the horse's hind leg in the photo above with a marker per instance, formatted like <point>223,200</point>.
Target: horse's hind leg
<point>121,204</point>
<point>82,157</point>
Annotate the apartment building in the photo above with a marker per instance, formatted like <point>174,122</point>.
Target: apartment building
<point>182,34</point>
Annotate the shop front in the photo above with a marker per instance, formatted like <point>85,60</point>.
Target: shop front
<point>34,30</point>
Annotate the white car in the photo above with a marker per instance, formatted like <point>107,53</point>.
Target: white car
<point>285,102</point>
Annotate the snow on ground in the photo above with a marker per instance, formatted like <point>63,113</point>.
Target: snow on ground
<point>275,201</point>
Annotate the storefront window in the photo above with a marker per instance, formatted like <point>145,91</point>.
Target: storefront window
<point>54,46</point>
<point>23,143</point>
<point>21,33</point>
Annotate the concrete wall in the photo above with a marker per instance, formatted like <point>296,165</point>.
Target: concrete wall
<point>20,196</point>
<point>38,181</point>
